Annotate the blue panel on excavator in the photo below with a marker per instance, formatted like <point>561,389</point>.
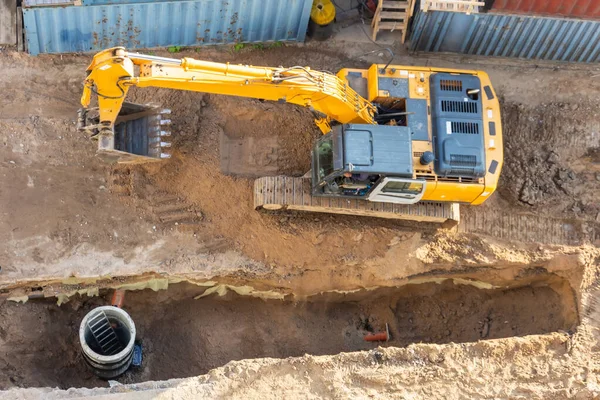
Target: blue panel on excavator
<point>377,149</point>
<point>457,125</point>
<point>396,87</point>
<point>417,118</point>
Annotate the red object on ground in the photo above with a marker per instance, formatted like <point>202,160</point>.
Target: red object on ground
<point>379,336</point>
<point>372,5</point>
<point>118,298</point>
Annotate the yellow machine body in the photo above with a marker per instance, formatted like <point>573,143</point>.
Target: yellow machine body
<point>334,99</point>
<point>440,188</point>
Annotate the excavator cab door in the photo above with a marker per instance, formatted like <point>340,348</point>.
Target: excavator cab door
<point>398,191</point>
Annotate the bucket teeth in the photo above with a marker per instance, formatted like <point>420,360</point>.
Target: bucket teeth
<point>140,134</point>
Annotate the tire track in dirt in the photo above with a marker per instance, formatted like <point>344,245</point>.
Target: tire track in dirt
<point>529,228</point>
<point>163,207</point>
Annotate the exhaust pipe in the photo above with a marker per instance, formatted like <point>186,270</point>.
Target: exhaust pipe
<point>107,337</point>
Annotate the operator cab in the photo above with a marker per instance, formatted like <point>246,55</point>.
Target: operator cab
<point>369,162</point>
<point>427,144</point>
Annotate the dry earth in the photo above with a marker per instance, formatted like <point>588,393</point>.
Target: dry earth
<point>69,223</point>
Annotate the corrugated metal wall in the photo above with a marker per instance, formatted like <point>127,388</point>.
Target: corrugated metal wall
<point>163,23</point>
<point>8,22</point>
<point>565,8</point>
<point>43,3</point>
<point>521,36</point>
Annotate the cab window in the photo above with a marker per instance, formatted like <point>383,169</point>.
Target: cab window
<point>413,188</point>
<point>325,157</point>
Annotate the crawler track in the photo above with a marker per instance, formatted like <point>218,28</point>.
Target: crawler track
<point>281,192</point>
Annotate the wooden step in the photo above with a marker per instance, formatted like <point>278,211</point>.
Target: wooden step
<point>395,4</point>
<point>391,25</point>
<point>392,15</point>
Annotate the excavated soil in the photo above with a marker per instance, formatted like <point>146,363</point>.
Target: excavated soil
<point>69,222</point>
<point>183,335</point>
<point>561,172</point>
<point>59,201</point>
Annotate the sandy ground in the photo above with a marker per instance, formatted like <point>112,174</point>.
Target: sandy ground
<point>66,213</point>
<point>66,217</point>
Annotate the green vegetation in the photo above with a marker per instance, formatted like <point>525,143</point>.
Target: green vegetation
<point>257,46</point>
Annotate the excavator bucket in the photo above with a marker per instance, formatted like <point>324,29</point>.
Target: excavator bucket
<point>139,135</point>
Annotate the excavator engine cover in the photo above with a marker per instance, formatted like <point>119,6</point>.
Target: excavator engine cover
<point>457,119</point>
<point>138,136</point>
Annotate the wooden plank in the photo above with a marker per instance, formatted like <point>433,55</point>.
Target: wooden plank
<point>457,2</point>
<point>376,16</point>
<point>20,44</point>
<point>395,4</point>
<point>411,9</point>
<point>393,26</point>
<point>399,15</point>
<point>375,29</point>
<point>467,6</point>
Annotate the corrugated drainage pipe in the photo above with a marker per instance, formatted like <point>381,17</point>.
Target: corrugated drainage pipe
<point>107,336</point>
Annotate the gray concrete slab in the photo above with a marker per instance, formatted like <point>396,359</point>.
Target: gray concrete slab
<point>8,22</point>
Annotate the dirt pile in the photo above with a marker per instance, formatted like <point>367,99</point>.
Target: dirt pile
<point>62,202</point>
<point>534,367</point>
<point>549,157</point>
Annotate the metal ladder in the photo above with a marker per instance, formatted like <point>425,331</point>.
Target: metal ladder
<point>104,334</point>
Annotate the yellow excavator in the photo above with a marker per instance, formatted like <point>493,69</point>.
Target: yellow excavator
<point>399,142</point>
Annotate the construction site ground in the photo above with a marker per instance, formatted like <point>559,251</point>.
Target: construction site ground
<point>503,307</point>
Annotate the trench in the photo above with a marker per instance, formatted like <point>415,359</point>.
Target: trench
<point>182,336</point>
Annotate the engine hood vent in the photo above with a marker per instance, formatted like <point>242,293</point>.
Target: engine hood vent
<point>457,123</point>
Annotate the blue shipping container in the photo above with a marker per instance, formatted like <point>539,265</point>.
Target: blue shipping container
<point>539,38</point>
<point>166,23</point>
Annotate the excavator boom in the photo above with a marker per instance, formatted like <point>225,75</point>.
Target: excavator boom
<point>113,71</point>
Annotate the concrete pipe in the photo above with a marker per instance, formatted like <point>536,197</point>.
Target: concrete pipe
<point>107,336</point>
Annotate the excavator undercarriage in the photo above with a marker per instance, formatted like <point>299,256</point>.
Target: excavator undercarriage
<point>287,193</point>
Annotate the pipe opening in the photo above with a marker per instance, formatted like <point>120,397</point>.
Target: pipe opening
<point>107,336</point>
<point>99,346</point>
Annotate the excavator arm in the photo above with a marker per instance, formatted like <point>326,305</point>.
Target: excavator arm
<point>113,71</point>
